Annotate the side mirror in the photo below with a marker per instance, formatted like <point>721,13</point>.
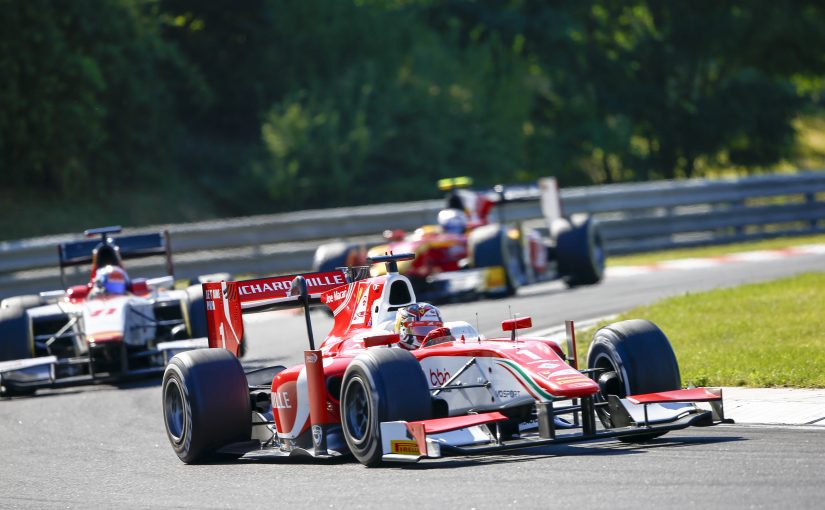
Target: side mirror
<point>140,286</point>
<point>376,340</point>
<point>514,324</point>
<point>164,282</point>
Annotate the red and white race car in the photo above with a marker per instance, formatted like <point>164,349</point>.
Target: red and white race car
<point>477,249</point>
<point>108,329</point>
<point>361,393</point>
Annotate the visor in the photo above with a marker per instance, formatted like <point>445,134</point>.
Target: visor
<point>420,329</point>
<point>115,287</point>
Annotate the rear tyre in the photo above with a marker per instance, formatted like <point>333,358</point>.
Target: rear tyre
<point>381,385</point>
<point>490,246</point>
<point>205,403</point>
<point>333,255</point>
<point>636,358</point>
<point>14,344</point>
<point>197,312</point>
<point>579,251</point>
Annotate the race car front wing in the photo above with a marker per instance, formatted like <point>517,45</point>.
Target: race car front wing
<point>25,375</point>
<point>635,415</point>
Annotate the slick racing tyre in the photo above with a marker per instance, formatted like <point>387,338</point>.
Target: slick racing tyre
<point>15,344</point>
<point>197,312</point>
<point>330,256</point>
<point>636,358</point>
<point>205,403</point>
<point>579,251</point>
<point>490,246</point>
<point>380,385</point>
<point>14,334</point>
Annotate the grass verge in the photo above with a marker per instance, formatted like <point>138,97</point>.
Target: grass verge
<point>768,334</point>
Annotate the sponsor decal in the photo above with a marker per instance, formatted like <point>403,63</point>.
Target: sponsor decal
<point>336,296</point>
<point>569,379</point>
<point>210,305</point>
<point>582,384</point>
<point>404,447</point>
<point>311,358</point>
<point>320,281</point>
<point>361,311</point>
<point>549,365</point>
<point>280,400</point>
<point>103,311</point>
<point>317,434</point>
<point>524,379</point>
<point>528,354</point>
<point>439,377</point>
<point>507,394</point>
<point>285,285</point>
<point>258,288</point>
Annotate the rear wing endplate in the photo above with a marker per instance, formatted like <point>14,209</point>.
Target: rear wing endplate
<point>226,302</point>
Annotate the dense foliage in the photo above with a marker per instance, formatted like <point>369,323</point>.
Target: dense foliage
<point>259,106</point>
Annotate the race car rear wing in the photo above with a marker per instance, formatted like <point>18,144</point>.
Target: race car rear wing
<point>479,203</point>
<point>129,247</point>
<point>226,302</point>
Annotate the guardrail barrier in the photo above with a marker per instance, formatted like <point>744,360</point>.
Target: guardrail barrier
<point>634,217</point>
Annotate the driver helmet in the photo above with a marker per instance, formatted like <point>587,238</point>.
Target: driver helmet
<point>452,221</point>
<point>413,323</point>
<point>111,280</point>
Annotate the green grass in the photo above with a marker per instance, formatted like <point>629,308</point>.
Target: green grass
<point>761,335</point>
<point>712,251</point>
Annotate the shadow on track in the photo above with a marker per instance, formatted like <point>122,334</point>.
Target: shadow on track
<point>601,449</point>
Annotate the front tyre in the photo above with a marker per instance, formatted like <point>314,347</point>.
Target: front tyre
<point>491,246</point>
<point>330,256</point>
<point>381,385</point>
<point>636,358</point>
<point>15,331</point>
<point>205,403</point>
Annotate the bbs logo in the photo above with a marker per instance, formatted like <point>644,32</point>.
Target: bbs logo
<point>439,377</point>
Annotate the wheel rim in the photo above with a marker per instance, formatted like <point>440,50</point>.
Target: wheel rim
<point>606,364</point>
<point>357,410</point>
<point>174,410</point>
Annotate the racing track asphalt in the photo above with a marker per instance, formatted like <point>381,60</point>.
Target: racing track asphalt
<point>104,447</point>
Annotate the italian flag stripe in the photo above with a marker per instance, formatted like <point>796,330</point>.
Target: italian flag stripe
<point>524,377</point>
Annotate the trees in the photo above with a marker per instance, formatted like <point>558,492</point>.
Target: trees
<point>85,104</point>
<point>265,106</point>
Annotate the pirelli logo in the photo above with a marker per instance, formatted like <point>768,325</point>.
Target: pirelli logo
<point>404,447</point>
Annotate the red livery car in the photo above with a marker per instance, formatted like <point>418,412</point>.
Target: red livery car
<point>476,249</point>
<point>393,381</point>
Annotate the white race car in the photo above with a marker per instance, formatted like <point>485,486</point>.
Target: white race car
<point>109,329</point>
